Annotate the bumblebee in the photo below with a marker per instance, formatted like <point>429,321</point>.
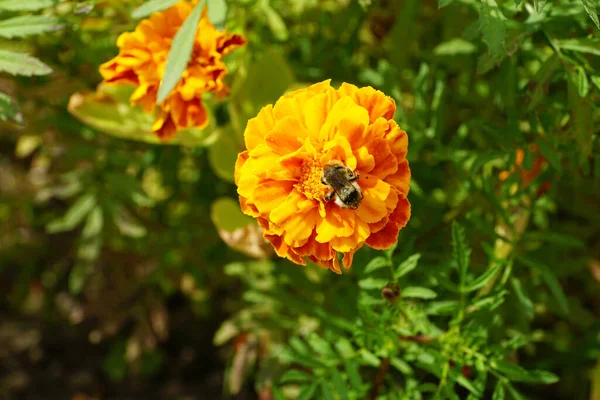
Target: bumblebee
<point>341,180</point>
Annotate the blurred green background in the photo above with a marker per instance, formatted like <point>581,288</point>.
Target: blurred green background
<point>128,271</point>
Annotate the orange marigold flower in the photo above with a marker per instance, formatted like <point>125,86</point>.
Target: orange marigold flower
<point>349,132</point>
<point>142,58</point>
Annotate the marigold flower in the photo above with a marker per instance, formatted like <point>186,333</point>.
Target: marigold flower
<point>279,176</point>
<point>142,58</point>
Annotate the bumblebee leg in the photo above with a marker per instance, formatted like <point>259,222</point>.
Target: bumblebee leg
<point>354,178</point>
<point>329,196</point>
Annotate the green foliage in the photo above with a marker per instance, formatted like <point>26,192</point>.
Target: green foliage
<point>140,247</point>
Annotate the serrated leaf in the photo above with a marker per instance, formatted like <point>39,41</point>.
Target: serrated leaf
<point>326,391</point>
<point>538,5</point>
<point>407,266</point>
<point>295,375</point>
<point>307,392</point>
<point>25,5</point>
<point>418,293</point>
<point>590,8</point>
<point>555,238</point>
<point>180,53</point>
<point>375,264</point>
<point>338,383</point>
<point>491,22</point>
<point>22,64</point>
<point>498,391</point>
<point>9,110</point>
<point>483,279</point>
<point>344,347</point>
<point>353,375</point>
<point>74,216</point>
<point>517,373</point>
<point>151,6</point>
<point>551,281</point>
<point>320,346</point>
<point>372,283</point>
<point>460,251</point>
<point>582,45</point>
<point>26,25</point>
<point>524,301</point>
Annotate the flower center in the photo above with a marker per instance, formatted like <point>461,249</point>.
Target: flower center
<point>309,183</point>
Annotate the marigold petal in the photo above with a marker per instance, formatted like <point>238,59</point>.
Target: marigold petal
<point>346,244</point>
<point>374,101</point>
<point>339,149</point>
<point>268,194</point>
<point>373,205</point>
<point>347,118</point>
<point>283,250</point>
<point>258,127</point>
<point>401,179</point>
<point>385,238</point>
<point>385,162</point>
<point>287,136</point>
<point>398,140</point>
<point>337,222</point>
<point>299,226</point>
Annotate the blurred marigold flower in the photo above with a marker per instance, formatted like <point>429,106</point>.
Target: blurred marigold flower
<point>279,176</point>
<point>528,175</point>
<point>142,58</point>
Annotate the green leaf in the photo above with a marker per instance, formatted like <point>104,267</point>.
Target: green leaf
<point>515,394</point>
<point>217,12</point>
<point>376,263</point>
<point>275,22</point>
<point>127,224</point>
<point>583,85</point>
<point>180,53</point>
<point>321,346</point>
<point>407,266</point>
<point>295,375</point>
<point>223,154</point>
<point>94,223</point>
<point>307,392</point>
<point>25,5</point>
<point>151,6</point>
<point>26,25</point>
<point>454,47</point>
<point>418,292</point>
<point>369,358</point>
<point>9,110</point>
<point>524,301</point>
<point>550,154</point>
<point>483,279</point>
<point>338,383</point>
<point>582,117</point>
<point>326,391</point>
<point>22,64</point>
<point>226,214</point>
<point>517,373</point>
<point>538,5</point>
<point>582,45</point>
<point>74,216</point>
<point>353,375</point>
<point>444,3</point>
<point>590,8</point>
<point>372,283</point>
<point>115,364</point>
<point>491,22</point>
<point>554,238</point>
<point>460,251</point>
<point>266,81</point>
<point>446,307</point>
<point>550,280</point>
<point>498,391</point>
